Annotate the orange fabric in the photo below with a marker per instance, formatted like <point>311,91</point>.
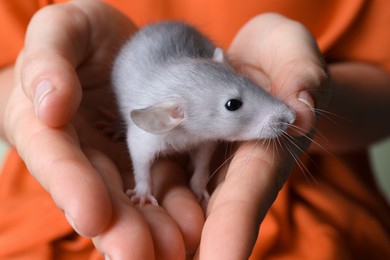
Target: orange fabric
<point>31,226</point>
<point>337,213</point>
<point>334,214</point>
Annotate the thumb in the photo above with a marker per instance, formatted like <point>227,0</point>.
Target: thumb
<point>48,61</point>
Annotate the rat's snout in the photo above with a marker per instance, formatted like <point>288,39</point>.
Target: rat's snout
<point>277,122</point>
<point>288,118</point>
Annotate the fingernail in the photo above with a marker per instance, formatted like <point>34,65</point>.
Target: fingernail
<point>43,89</point>
<point>306,99</point>
<point>107,257</point>
<point>71,222</point>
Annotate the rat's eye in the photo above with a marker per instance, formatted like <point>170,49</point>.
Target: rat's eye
<point>233,104</point>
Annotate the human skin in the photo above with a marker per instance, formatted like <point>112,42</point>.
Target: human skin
<point>56,131</point>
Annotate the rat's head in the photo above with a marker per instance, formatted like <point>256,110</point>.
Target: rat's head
<point>213,102</point>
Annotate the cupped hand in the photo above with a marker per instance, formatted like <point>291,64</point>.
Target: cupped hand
<point>281,56</point>
<point>61,80</point>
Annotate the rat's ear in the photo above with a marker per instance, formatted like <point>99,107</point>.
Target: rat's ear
<point>159,118</point>
<point>218,55</point>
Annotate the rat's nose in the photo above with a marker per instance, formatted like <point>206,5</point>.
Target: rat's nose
<point>287,118</point>
<point>279,121</point>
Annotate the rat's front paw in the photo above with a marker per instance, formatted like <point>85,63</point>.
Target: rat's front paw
<point>200,191</point>
<point>202,196</point>
<point>141,198</point>
<point>205,196</point>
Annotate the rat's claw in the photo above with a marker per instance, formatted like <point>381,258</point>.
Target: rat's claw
<point>206,196</point>
<point>200,192</point>
<point>141,199</point>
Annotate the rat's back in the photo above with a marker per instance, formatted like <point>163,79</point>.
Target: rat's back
<point>159,43</point>
<point>147,53</point>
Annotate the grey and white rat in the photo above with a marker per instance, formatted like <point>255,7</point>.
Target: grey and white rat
<point>177,93</point>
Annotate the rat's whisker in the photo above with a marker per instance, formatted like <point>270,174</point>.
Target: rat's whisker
<point>318,134</point>
<point>250,154</point>
<point>220,166</point>
<point>306,172</point>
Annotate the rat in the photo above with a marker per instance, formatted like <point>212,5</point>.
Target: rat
<point>177,93</point>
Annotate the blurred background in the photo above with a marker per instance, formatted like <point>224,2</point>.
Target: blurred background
<point>380,156</point>
<point>3,150</point>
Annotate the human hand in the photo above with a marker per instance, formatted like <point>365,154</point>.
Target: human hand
<point>281,56</point>
<point>51,136</point>
<point>61,80</point>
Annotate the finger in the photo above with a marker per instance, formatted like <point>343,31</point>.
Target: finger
<point>54,46</point>
<point>240,203</point>
<point>54,157</point>
<point>294,69</point>
<point>178,200</point>
<point>167,238</point>
<point>135,233</point>
<point>128,235</point>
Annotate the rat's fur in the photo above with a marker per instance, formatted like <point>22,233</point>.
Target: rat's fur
<point>172,85</point>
